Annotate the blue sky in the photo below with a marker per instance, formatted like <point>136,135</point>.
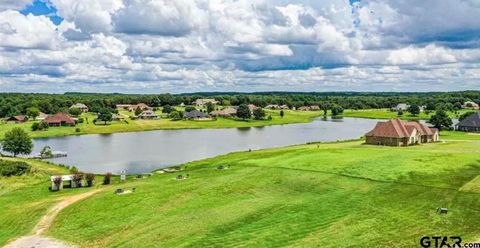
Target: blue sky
<point>152,46</point>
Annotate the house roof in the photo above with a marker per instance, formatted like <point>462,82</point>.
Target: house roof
<point>472,120</point>
<point>59,118</point>
<point>397,128</point>
<point>148,113</point>
<point>194,114</point>
<point>140,106</point>
<point>18,118</point>
<point>227,111</point>
<point>79,105</point>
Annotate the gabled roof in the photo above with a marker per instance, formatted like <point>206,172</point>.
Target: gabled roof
<point>194,114</point>
<point>79,105</point>
<point>18,118</point>
<point>472,120</point>
<point>59,118</point>
<point>397,128</point>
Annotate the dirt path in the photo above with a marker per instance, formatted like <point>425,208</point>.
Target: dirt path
<point>37,240</point>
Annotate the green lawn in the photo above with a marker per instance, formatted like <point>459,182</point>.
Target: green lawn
<point>387,114</point>
<point>163,123</point>
<point>322,195</point>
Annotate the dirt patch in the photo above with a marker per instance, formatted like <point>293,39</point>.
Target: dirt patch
<point>37,240</point>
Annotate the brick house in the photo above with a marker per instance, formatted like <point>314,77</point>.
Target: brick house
<point>396,132</point>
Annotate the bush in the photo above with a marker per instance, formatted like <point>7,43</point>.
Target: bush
<point>57,181</point>
<point>77,179</point>
<point>13,168</point>
<point>89,177</point>
<point>175,115</point>
<point>77,130</point>
<point>107,179</point>
<point>80,120</point>
<point>35,126</point>
<point>189,108</point>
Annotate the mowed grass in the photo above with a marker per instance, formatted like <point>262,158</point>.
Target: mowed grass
<point>162,123</point>
<point>25,199</point>
<point>387,114</point>
<point>321,195</point>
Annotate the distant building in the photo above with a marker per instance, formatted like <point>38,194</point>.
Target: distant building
<point>309,108</point>
<point>401,106</point>
<point>80,106</point>
<point>272,106</point>
<point>470,105</point>
<point>18,119</point>
<point>59,119</point>
<point>227,112</point>
<point>252,107</point>
<point>195,114</point>
<point>148,114</point>
<point>41,116</point>
<point>470,124</point>
<point>396,132</point>
<point>141,106</point>
<point>204,101</point>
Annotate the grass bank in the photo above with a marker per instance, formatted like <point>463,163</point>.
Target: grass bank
<point>318,195</point>
<point>387,114</point>
<point>163,123</point>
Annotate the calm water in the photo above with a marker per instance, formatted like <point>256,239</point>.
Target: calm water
<point>145,151</point>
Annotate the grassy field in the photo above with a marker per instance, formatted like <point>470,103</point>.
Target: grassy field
<point>163,123</point>
<point>387,114</point>
<point>320,195</point>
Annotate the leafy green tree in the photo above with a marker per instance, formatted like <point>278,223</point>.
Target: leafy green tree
<point>282,113</point>
<point>441,120</point>
<point>33,112</point>
<point>167,109</point>
<point>210,107</point>
<point>414,109</point>
<point>259,114</point>
<point>17,141</point>
<point>465,115</point>
<point>457,106</point>
<point>75,111</point>
<point>337,110</point>
<point>400,112</point>
<point>243,111</point>
<point>175,115</point>
<point>325,106</point>
<point>35,126</point>
<point>189,108</point>
<point>105,115</point>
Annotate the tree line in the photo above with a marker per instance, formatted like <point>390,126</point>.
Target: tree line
<point>23,103</point>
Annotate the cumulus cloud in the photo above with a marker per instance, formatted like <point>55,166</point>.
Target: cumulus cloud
<point>242,45</point>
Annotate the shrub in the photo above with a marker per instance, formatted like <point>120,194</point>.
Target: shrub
<point>57,181</point>
<point>80,120</point>
<point>35,126</point>
<point>89,177</point>
<point>77,130</point>
<point>13,168</point>
<point>43,126</point>
<point>77,179</point>
<point>175,115</point>
<point>107,179</point>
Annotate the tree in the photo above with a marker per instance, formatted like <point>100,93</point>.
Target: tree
<point>75,111</point>
<point>175,115</point>
<point>282,114</point>
<point>259,114</point>
<point>33,112</point>
<point>325,106</point>
<point>105,115</point>
<point>189,108</point>
<point>138,111</point>
<point>457,106</point>
<point>337,110</point>
<point>210,107</point>
<point>243,111</point>
<point>400,112</point>
<point>17,141</point>
<point>441,120</point>
<point>414,109</point>
<point>167,109</point>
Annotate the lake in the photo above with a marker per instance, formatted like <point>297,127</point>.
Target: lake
<point>139,152</point>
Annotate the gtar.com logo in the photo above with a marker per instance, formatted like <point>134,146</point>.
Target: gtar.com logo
<point>441,242</point>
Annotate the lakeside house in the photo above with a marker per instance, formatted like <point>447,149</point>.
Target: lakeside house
<point>401,106</point>
<point>195,115</point>
<point>275,106</point>
<point>227,112</point>
<point>141,106</point>
<point>396,132</point>
<point>80,106</point>
<point>204,101</point>
<point>148,114</point>
<point>41,116</point>
<point>309,108</point>
<point>59,119</point>
<point>252,107</point>
<point>470,124</point>
<point>17,119</point>
<point>470,105</point>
